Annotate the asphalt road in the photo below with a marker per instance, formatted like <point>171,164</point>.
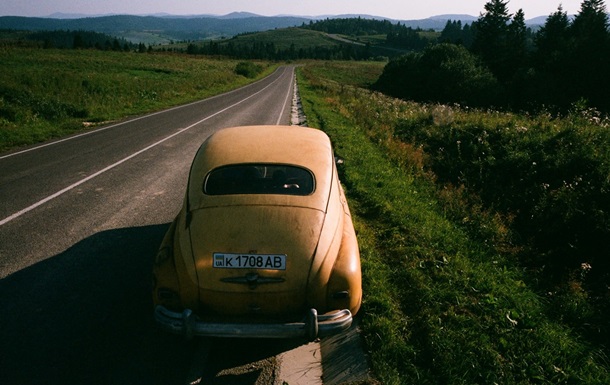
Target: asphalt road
<point>80,220</point>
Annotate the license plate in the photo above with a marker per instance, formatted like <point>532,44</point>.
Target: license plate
<point>250,261</point>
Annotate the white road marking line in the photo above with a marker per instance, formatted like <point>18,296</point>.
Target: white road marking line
<point>80,182</point>
<point>285,103</point>
<point>122,123</point>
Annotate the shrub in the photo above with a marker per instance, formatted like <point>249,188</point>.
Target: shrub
<point>248,69</point>
<point>443,73</point>
<point>551,175</point>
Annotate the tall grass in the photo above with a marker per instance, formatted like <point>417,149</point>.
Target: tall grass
<point>50,93</point>
<point>446,298</point>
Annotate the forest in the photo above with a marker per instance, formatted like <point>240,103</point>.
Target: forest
<point>498,62</point>
<point>69,39</point>
<point>397,35</point>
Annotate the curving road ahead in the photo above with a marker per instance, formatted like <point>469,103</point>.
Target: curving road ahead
<point>123,175</point>
<point>80,220</point>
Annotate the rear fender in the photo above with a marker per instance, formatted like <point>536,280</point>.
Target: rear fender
<point>166,288</point>
<point>327,251</point>
<point>174,281</point>
<point>344,290</point>
<point>185,264</point>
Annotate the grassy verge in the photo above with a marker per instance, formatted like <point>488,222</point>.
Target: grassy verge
<point>446,301</point>
<point>52,93</point>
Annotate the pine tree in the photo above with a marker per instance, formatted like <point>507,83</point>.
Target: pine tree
<point>590,54</point>
<point>452,33</point>
<point>551,60</point>
<point>591,23</point>
<point>491,34</point>
<point>517,42</point>
<point>552,40</point>
<point>515,66</point>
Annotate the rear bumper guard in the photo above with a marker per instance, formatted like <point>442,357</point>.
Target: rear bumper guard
<point>313,325</point>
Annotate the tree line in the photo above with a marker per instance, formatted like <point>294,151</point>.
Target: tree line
<point>397,35</point>
<point>499,62</point>
<point>74,39</point>
<point>270,51</point>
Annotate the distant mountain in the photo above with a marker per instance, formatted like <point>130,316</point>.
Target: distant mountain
<point>166,27</point>
<point>454,17</point>
<point>232,15</point>
<point>186,28</point>
<point>465,19</point>
<point>351,16</point>
<point>540,20</point>
<point>242,15</point>
<point>60,15</point>
<point>437,22</point>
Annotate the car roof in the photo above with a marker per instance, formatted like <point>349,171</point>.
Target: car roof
<point>301,146</point>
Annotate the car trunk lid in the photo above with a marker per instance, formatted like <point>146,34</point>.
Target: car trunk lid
<point>254,259</point>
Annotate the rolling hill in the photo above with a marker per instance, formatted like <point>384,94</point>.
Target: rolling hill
<point>187,28</point>
<point>163,27</point>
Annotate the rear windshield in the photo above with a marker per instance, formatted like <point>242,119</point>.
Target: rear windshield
<point>259,179</point>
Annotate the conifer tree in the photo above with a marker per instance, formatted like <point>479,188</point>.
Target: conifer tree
<point>517,42</point>
<point>590,54</point>
<point>552,39</point>
<point>550,62</point>
<point>591,23</point>
<point>452,33</point>
<point>515,65</point>
<point>491,34</point>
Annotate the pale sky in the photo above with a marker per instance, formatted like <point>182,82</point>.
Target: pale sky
<point>394,9</point>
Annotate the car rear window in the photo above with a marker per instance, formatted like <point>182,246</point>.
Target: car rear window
<point>259,179</point>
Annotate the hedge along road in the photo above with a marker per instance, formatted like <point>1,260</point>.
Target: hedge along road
<point>80,220</point>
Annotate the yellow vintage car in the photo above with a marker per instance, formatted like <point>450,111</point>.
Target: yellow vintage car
<point>264,245</point>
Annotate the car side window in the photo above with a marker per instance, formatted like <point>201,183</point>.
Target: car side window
<point>259,179</point>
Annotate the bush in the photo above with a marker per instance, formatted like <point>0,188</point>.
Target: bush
<point>551,175</point>
<point>248,69</point>
<point>25,103</point>
<point>443,73</point>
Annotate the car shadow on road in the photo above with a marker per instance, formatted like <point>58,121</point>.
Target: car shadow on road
<point>85,316</point>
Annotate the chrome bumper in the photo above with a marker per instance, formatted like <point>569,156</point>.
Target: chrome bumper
<point>313,326</point>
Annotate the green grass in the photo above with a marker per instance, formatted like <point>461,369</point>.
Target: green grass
<point>285,37</point>
<point>445,298</point>
<point>51,93</point>
<point>281,39</point>
<point>372,39</point>
<point>146,37</point>
<point>360,74</point>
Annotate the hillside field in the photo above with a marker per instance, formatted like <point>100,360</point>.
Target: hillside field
<point>451,294</point>
<point>46,94</point>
